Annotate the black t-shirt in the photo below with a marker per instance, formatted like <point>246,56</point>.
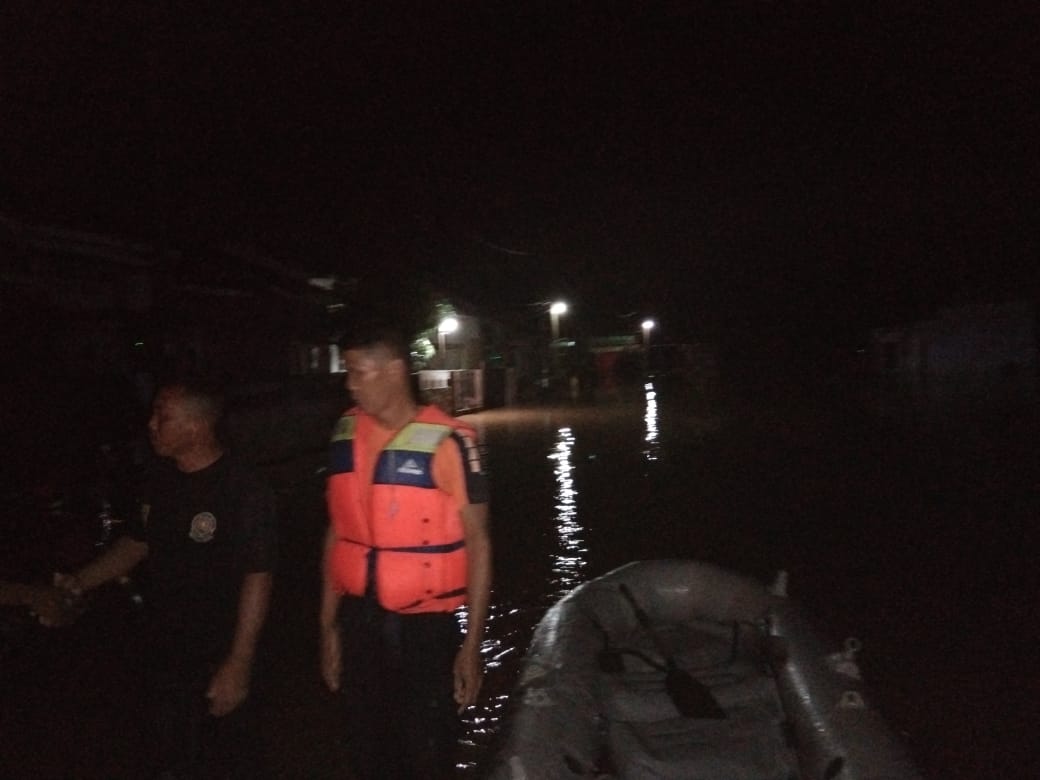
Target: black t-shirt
<point>205,531</point>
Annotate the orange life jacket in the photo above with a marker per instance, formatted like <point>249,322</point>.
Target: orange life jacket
<point>398,537</point>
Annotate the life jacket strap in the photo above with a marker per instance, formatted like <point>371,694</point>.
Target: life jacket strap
<point>446,595</point>
<point>423,548</point>
<point>372,564</point>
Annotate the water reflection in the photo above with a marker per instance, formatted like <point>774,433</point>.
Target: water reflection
<point>569,562</point>
<point>652,448</point>
<point>510,623</point>
<point>481,722</point>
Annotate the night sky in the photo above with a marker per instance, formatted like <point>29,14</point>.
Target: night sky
<point>729,167</point>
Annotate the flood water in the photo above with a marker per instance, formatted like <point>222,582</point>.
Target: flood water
<point>916,535</point>
<point>919,538</point>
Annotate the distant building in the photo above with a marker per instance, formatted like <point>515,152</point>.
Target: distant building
<point>454,378</point>
<point>982,353</point>
<point>622,360</point>
<point>78,302</point>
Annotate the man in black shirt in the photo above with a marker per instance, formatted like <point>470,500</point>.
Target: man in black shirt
<point>207,531</point>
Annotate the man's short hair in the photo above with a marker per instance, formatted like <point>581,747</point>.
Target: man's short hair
<point>379,335</point>
<point>204,397</point>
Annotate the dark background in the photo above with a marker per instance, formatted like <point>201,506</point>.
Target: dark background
<point>805,170</point>
<point>776,177</point>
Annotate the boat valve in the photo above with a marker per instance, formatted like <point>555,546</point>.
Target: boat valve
<point>844,662</point>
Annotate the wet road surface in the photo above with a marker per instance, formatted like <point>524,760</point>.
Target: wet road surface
<point>920,540</point>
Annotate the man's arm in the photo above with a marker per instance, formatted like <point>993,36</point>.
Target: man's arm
<point>329,639</point>
<point>15,594</point>
<point>469,670</point>
<point>46,603</point>
<point>230,685</point>
<point>117,561</point>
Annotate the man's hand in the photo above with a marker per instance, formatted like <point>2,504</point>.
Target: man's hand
<point>331,657</point>
<point>69,583</point>
<point>53,606</point>
<point>469,675</point>
<point>229,687</point>
<point>63,602</point>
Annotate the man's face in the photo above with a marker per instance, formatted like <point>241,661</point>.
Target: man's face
<point>370,378</point>
<point>172,427</point>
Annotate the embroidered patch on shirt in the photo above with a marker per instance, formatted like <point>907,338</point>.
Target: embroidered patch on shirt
<point>203,527</point>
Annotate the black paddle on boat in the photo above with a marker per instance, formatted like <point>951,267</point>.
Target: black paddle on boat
<point>691,697</point>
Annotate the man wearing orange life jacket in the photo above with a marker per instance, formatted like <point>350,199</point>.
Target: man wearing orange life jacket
<point>407,544</point>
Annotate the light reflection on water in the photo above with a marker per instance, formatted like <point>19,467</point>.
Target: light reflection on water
<point>508,625</point>
<point>480,723</point>
<point>569,562</point>
<point>652,448</point>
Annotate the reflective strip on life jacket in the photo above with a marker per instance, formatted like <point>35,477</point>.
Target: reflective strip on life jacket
<point>341,447</point>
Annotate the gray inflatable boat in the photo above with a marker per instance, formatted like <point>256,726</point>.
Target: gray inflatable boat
<point>680,669</point>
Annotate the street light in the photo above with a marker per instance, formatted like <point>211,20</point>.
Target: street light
<point>444,327</point>
<point>555,310</point>
<point>648,325</point>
